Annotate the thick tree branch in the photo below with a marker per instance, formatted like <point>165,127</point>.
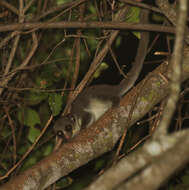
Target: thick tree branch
<point>162,162</point>
<point>151,160</point>
<point>100,137</point>
<point>156,159</point>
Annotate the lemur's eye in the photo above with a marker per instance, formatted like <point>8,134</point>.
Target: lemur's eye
<point>60,133</point>
<point>68,128</point>
<point>71,117</point>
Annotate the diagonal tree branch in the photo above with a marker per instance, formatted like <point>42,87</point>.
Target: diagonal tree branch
<point>100,137</point>
<point>154,154</point>
<point>156,159</point>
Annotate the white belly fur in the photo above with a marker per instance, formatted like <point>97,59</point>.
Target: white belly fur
<point>98,107</point>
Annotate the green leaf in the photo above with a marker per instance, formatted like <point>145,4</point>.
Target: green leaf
<point>103,66</point>
<point>137,34</point>
<point>55,103</point>
<point>134,17</point>
<point>22,149</point>
<point>100,164</point>
<point>59,2</point>
<point>5,132</point>
<point>28,117</point>
<point>171,187</point>
<point>30,161</point>
<point>158,18</point>
<point>44,112</point>
<point>47,150</point>
<point>33,134</point>
<point>92,9</point>
<point>185,178</point>
<point>65,182</point>
<point>35,98</point>
<point>118,42</point>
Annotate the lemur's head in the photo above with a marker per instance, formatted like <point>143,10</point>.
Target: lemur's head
<point>66,127</point>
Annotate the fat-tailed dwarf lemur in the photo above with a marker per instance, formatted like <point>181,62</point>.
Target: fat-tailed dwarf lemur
<point>95,100</point>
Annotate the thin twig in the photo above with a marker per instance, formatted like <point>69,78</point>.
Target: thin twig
<point>35,89</point>
<point>170,12</point>
<point>116,63</point>
<point>142,5</point>
<point>9,6</point>
<point>28,5</point>
<point>8,38</point>
<point>29,150</point>
<point>98,59</point>
<point>13,134</point>
<point>12,54</point>
<point>60,7</point>
<point>25,62</point>
<point>86,25</point>
<point>9,63</point>
<point>78,57</point>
